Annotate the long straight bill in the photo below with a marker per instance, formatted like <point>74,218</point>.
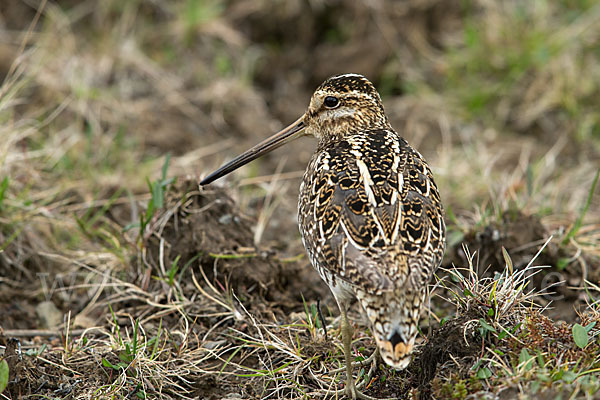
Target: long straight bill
<point>277,140</point>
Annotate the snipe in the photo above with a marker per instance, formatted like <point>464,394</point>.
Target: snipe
<point>369,211</point>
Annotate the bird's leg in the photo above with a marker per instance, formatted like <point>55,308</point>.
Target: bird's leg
<point>347,333</point>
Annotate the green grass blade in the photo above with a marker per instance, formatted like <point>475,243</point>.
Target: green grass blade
<point>3,375</point>
<point>579,221</point>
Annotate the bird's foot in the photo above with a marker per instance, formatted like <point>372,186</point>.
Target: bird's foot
<point>353,393</point>
<point>352,390</point>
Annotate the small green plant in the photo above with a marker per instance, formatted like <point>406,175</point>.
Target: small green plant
<point>484,327</point>
<point>172,272</point>
<point>157,190</point>
<point>526,360</point>
<point>36,352</point>
<point>581,334</point>
<point>312,321</point>
<point>460,390</point>
<point>129,351</point>
<point>503,333</point>
<point>3,375</point>
<point>482,372</point>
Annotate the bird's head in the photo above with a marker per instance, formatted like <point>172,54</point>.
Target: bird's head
<point>394,320</point>
<point>395,345</point>
<point>340,105</point>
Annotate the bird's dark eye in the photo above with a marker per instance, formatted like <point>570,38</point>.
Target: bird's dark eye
<point>331,102</point>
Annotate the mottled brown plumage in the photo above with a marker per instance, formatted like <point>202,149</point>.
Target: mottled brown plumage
<point>369,211</point>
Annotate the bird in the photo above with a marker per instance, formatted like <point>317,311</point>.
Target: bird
<point>369,213</point>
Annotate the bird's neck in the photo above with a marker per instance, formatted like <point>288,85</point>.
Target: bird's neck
<point>336,132</point>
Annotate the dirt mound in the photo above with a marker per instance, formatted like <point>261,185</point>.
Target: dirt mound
<point>204,227</point>
<point>451,341</point>
<point>521,235</point>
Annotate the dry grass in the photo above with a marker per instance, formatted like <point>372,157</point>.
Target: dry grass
<point>110,111</point>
